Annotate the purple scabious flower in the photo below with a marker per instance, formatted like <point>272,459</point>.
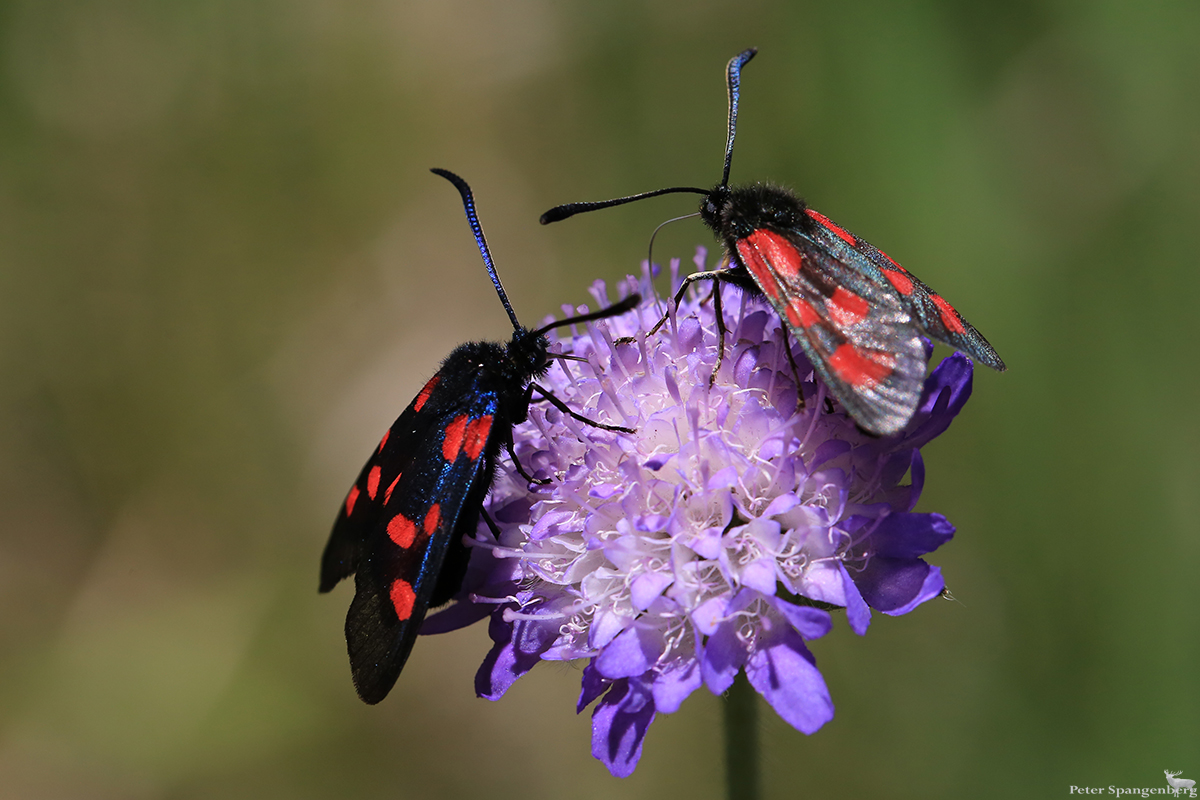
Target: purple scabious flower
<point>714,539</point>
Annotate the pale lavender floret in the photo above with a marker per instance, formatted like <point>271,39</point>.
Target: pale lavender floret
<point>714,539</point>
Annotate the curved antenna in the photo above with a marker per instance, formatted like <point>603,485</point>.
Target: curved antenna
<point>469,207</point>
<point>559,213</point>
<point>650,250</point>
<point>733,79</point>
<point>616,309</point>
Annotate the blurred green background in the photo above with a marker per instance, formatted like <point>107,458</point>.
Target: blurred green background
<point>224,268</point>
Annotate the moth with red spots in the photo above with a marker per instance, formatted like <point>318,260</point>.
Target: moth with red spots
<point>400,530</point>
<point>858,315</point>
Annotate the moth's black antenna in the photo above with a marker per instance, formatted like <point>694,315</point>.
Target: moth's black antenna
<point>733,79</point>
<point>469,207</point>
<point>614,310</point>
<point>733,74</point>
<point>571,209</point>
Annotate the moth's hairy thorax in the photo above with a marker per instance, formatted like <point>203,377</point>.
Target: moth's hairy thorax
<point>505,369</point>
<point>463,366</point>
<point>502,368</point>
<point>735,213</point>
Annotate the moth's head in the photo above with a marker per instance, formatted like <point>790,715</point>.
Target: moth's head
<point>714,206</point>
<point>527,353</point>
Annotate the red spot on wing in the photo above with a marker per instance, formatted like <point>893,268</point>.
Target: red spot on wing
<point>765,251</point>
<point>800,314</point>
<point>387,495</point>
<point>433,518</point>
<point>403,598</point>
<point>373,481</point>
<point>383,441</point>
<point>949,315</point>
<point>452,443</point>
<point>846,308</point>
<point>902,282</point>
<point>351,499</point>
<point>423,396</point>
<point>844,234</point>
<point>860,368</point>
<point>402,531</point>
<point>476,436</point>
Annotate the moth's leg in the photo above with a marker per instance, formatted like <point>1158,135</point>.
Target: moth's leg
<point>563,407</point>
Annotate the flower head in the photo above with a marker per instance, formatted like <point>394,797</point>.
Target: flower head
<point>716,538</point>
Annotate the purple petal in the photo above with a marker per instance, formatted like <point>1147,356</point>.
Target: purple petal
<point>592,686</point>
<point>781,505</point>
<point>690,334</point>
<point>909,535</point>
<point>724,655</point>
<point>605,627</point>
<point>894,467</point>
<point>752,326</point>
<point>548,524</point>
<point>649,523</point>
<point>619,725</point>
<point>496,674</point>
<point>933,586</point>
<point>518,648</point>
<point>893,584</point>
<point>858,613</point>
<point>809,622</point>
<point>744,365</point>
<point>825,582</point>
<point>514,510</point>
<point>708,615</point>
<point>954,375</point>
<point>659,461</point>
<point>946,391</point>
<point>760,575</point>
<point>568,649</point>
<point>707,543</point>
<point>533,636</point>
<point>648,586</point>
<point>917,476</point>
<point>628,655</point>
<point>827,451</point>
<point>451,618</point>
<point>784,672</point>
<point>673,685</point>
<point>725,478</point>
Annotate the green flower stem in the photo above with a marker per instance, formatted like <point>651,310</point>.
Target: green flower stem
<point>741,741</point>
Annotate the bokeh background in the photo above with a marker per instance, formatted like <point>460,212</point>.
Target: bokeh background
<point>224,268</point>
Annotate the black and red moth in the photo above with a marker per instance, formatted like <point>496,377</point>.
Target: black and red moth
<point>400,530</point>
<point>859,315</point>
